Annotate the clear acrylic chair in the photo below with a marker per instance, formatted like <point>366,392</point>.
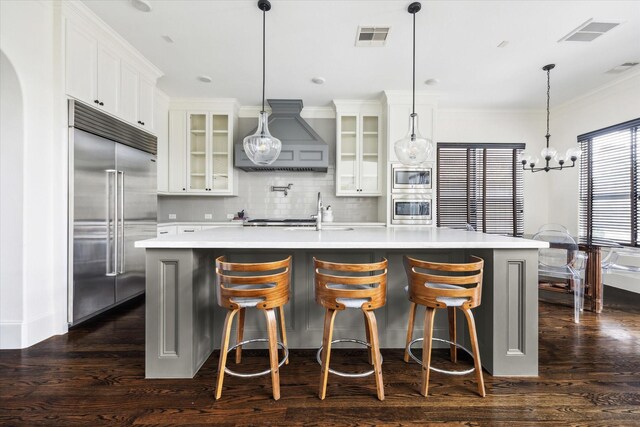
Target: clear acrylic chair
<point>617,261</point>
<point>562,261</point>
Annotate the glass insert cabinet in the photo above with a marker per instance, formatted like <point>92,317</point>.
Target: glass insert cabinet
<point>201,152</point>
<point>358,149</point>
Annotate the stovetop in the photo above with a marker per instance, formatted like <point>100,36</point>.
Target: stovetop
<point>278,222</point>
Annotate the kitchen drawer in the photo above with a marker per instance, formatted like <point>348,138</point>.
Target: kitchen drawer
<point>165,230</point>
<point>186,229</point>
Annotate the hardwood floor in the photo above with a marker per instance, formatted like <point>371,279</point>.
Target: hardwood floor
<point>589,375</point>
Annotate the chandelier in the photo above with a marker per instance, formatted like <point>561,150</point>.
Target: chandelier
<point>529,161</point>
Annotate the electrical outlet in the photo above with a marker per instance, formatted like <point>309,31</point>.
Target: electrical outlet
<point>208,216</point>
<point>230,216</point>
<point>172,216</point>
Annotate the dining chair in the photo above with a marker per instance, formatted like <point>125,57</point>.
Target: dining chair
<point>618,259</point>
<point>562,261</point>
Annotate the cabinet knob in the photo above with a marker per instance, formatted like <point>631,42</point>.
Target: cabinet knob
<point>142,123</point>
<point>96,101</point>
<point>101,103</point>
<point>184,189</point>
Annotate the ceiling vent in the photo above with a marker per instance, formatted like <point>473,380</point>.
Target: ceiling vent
<point>372,36</point>
<point>622,68</point>
<point>589,31</point>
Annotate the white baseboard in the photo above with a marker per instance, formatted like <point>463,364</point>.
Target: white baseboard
<point>623,282</point>
<point>17,335</point>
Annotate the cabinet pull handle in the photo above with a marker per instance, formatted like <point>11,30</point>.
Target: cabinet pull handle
<point>101,103</point>
<point>96,101</point>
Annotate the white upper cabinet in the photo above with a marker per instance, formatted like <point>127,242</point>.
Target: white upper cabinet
<point>145,103</point>
<point>128,93</point>
<point>81,64</point>
<point>201,148</point>
<point>358,149</point>
<point>108,80</point>
<point>104,71</point>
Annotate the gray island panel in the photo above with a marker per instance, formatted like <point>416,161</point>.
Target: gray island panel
<point>183,321</point>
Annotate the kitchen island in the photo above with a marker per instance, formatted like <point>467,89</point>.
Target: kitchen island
<point>183,321</point>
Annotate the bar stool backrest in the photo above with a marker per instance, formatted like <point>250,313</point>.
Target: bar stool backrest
<point>267,280</point>
<point>366,281</point>
<point>421,272</point>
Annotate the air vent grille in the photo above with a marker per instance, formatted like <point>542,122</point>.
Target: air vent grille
<point>589,31</point>
<point>372,36</point>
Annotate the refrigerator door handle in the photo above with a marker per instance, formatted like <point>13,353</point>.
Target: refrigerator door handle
<point>112,210</point>
<point>120,252</point>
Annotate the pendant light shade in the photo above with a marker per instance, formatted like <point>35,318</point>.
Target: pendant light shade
<point>262,148</point>
<point>414,148</point>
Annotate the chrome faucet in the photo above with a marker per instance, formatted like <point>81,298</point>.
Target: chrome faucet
<point>319,214</point>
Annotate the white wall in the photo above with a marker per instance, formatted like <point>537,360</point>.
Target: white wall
<point>11,188</point>
<point>28,39</point>
<point>503,127</point>
<point>610,105</point>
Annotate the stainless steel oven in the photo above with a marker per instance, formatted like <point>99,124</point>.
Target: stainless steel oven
<point>411,209</point>
<point>410,179</point>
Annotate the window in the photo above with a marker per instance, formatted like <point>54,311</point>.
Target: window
<point>480,185</point>
<point>609,184</point>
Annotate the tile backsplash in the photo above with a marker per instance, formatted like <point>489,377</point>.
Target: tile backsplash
<point>258,201</point>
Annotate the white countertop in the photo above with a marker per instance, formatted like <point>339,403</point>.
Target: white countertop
<point>239,224</point>
<point>338,238</point>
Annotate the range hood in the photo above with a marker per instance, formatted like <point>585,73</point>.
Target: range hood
<point>302,148</point>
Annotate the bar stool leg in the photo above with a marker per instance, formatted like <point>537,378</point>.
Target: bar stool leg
<point>329,317</point>
<point>476,352</point>
<point>240,334</point>
<point>224,347</point>
<point>375,351</point>
<point>283,332</point>
<point>272,330</point>
<point>367,332</point>
<point>412,319</point>
<point>453,350</point>
<point>426,349</point>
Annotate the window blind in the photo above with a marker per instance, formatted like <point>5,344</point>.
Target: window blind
<point>608,205</point>
<point>480,185</point>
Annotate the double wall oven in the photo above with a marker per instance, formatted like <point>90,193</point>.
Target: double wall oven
<point>412,194</point>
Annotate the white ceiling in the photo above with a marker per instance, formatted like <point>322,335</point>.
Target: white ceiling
<point>456,43</point>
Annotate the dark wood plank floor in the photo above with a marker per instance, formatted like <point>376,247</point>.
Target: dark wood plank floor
<point>589,375</point>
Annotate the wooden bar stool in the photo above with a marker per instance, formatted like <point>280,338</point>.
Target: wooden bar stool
<point>264,286</point>
<point>341,286</point>
<point>444,291</point>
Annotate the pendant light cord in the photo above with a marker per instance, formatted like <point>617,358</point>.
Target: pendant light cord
<point>264,15</point>
<point>548,96</point>
<point>413,105</point>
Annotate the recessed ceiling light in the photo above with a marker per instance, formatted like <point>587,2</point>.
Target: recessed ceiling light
<point>141,5</point>
<point>168,39</point>
<point>318,80</point>
<point>205,79</point>
<point>432,82</point>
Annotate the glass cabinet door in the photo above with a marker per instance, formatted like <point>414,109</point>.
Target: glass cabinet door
<point>197,146</point>
<point>369,166</point>
<point>220,155</point>
<point>348,167</point>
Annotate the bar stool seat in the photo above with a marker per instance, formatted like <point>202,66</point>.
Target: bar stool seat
<point>264,286</point>
<point>340,286</point>
<point>444,285</point>
<point>250,302</point>
<point>449,301</point>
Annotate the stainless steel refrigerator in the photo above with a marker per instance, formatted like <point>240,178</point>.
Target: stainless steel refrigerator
<point>112,203</point>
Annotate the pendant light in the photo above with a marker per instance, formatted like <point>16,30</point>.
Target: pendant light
<point>262,148</point>
<point>549,153</point>
<point>413,149</point>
